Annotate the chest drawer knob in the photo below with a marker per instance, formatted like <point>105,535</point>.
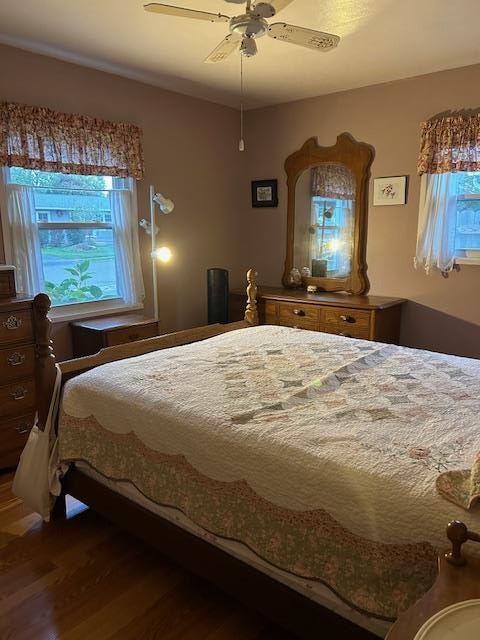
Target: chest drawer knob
<point>19,393</point>
<point>349,319</point>
<point>16,359</point>
<point>12,323</point>
<point>299,312</point>
<point>133,337</point>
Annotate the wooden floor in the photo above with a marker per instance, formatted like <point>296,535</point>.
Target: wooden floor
<point>83,579</point>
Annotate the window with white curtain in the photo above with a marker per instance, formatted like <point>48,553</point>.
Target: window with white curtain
<point>449,215</point>
<point>449,220</point>
<point>75,238</point>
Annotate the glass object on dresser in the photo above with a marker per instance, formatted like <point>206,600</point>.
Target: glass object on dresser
<point>327,215</point>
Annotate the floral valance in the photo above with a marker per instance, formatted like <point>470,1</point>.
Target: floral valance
<point>449,144</point>
<point>39,138</point>
<point>333,181</point>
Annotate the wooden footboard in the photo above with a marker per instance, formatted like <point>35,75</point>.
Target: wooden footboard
<point>45,359</point>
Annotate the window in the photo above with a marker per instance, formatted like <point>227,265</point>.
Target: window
<point>467,226</point>
<point>74,237</point>
<point>329,218</point>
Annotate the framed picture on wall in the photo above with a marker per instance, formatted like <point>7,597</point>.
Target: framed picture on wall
<point>389,191</point>
<point>264,193</point>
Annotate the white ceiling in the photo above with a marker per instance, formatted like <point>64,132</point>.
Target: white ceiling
<point>382,40</point>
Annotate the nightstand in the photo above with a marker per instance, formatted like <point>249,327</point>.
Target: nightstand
<point>91,335</point>
<point>458,580</point>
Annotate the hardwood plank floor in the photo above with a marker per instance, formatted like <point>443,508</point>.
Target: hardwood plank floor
<point>83,579</point>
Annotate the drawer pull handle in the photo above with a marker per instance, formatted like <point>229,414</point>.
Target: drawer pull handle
<point>16,359</point>
<point>134,336</point>
<point>19,393</point>
<point>349,319</point>
<point>12,323</point>
<point>345,335</point>
<point>299,312</point>
<point>22,428</point>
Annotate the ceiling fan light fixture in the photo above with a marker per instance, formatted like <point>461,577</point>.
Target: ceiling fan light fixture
<point>248,48</point>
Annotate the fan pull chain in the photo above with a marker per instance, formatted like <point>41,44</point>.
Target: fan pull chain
<point>241,144</point>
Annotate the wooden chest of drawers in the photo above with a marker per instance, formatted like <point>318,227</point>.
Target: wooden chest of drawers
<point>364,317</point>
<point>89,336</point>
<point>7,281</point>
<point>17,386</point>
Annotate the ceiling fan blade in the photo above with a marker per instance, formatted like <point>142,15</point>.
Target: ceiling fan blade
<point>180,12</point>
<point>309,38</point>
<point>278,5</point>
<point>226,47</point>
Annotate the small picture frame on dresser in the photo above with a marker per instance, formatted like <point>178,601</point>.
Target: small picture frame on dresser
<point>7,281</point>
<point>264,193</point>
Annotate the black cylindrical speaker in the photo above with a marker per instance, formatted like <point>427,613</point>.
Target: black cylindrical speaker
<point>217,285</point>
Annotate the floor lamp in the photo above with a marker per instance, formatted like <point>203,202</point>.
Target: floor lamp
<point>157,253</point>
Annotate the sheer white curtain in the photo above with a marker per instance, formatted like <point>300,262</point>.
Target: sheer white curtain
<point>24,238</point>
<point>127,250</point>
<point>436,222</point>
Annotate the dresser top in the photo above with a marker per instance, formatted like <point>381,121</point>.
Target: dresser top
<point>19,302</point>
<point>109,323</point>
<point>327,299</point>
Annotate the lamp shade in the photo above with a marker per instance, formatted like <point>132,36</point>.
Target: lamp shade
<point>166,205</point>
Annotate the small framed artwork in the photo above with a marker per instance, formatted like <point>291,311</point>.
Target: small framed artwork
<point>264,193</point>
<point>391,190</point>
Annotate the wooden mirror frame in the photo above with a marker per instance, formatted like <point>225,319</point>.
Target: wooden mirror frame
<point>358,157</point>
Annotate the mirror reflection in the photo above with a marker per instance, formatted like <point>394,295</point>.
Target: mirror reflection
<point>325,221</point>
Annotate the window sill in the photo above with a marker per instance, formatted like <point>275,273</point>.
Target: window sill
<point>80,311</point>
<point>468,261</point>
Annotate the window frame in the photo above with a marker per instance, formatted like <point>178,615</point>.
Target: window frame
<point>463,259</point>
<point>78,310</point>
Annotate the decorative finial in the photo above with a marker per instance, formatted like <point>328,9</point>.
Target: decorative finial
<point>251,314</point>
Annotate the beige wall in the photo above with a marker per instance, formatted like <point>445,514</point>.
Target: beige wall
<point>442,314</point>
<point>190,155</point>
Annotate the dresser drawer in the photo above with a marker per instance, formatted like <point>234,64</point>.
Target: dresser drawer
<point>303,316</point>
<point>17,398</point>
<point>16,362</point>
<point>13,436</point>
<point>350,331</point>
<point>16,326</point>
<point>131,334</point>
<point>347,319</point>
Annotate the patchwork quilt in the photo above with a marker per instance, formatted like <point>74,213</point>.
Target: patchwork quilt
<point>338,460</point>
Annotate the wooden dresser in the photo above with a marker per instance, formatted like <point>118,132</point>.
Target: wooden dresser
<point>89,336</point>
<point>365,317</point>
<point>17,385</point>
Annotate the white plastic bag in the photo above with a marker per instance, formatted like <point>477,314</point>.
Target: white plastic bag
<point>32,479</point>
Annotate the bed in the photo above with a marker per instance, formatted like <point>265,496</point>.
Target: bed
<point>308,474</point>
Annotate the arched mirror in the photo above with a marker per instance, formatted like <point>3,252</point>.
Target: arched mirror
<point>327,215</point>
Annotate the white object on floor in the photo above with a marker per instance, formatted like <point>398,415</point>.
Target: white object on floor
<point>460,621</point>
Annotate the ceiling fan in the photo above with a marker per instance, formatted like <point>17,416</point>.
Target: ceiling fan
<point>247,27</point>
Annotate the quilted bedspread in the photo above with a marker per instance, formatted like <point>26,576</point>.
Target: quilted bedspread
<point>335,459</point>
